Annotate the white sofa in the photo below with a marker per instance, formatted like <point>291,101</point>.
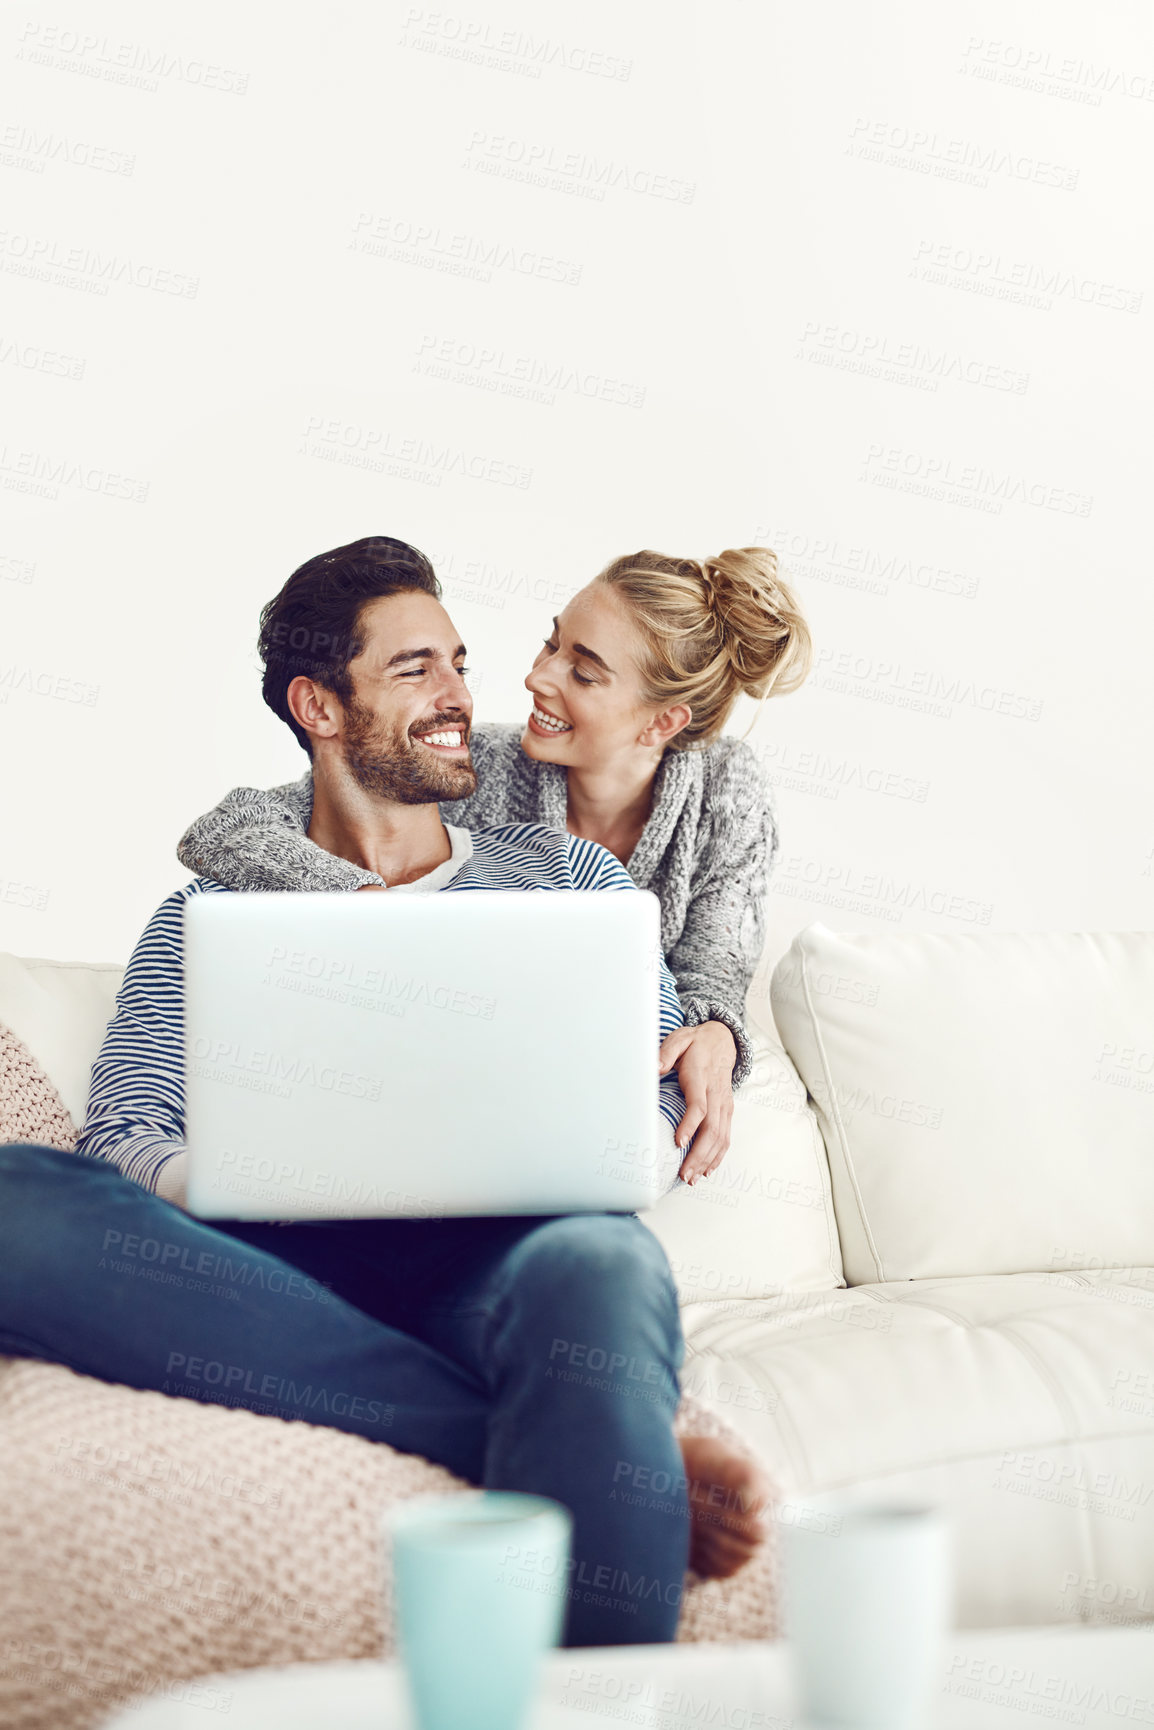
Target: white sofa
<point>925,1269</point>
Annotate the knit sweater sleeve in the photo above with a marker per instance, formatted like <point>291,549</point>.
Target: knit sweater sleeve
<point>720,944</point>
<point>256,838</point>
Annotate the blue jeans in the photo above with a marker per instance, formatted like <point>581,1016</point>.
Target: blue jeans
<point>534,1353</point>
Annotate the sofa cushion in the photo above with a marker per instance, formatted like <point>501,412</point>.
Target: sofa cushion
<point>30,1107</point>
<point>986,1099</point>
<point>763,1222</point>
<point>1021,1403</point>
<point>149,1540</point>
<point>59,1010</point>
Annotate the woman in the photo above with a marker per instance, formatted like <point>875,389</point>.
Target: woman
<point>623,746</point>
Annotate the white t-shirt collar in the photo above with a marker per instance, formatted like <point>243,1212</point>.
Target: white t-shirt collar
<point>462,844</point>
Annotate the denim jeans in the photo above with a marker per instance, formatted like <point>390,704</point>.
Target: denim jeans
<point>534,1353</point>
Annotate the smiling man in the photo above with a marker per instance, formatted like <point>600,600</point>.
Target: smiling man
<point>455,1328</point>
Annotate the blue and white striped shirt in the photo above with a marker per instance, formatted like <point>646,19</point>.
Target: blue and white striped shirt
<point>135,1116</point>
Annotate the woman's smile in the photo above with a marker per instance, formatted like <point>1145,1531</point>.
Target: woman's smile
<point>547,725</point>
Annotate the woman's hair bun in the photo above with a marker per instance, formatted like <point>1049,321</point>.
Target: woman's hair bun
<point>759,618</point>
<point>712,629</point>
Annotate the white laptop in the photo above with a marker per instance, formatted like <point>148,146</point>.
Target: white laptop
<point>485,1052</point>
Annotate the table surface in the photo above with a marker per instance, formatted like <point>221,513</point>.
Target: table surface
<point>1097,1678</point>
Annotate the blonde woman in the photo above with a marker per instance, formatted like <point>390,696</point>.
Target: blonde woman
<point>623,745</point>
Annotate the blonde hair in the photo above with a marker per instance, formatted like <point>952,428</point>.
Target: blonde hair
<point>712,630</point>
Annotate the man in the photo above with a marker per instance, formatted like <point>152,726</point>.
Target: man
<point>464,1340</point>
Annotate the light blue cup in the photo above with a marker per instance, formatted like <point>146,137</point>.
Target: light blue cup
<point>479,1581</point>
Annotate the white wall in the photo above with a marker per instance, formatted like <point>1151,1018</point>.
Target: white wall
<point>871,284</point>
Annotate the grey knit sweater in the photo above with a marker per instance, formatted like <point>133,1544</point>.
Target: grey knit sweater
<point>706,852</point>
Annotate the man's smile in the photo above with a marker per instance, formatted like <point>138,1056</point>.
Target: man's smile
<point>447,740</point>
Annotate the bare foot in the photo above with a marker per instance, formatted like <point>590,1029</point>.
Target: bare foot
<point>729,1497</point>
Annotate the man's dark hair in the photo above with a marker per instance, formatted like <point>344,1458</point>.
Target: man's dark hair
<point>312,630</point>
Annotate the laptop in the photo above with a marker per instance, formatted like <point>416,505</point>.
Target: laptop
<point>417,1056</point>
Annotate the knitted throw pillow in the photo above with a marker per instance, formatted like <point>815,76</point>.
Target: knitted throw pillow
<point>30,1107</point>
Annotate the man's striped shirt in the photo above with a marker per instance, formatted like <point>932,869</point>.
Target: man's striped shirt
<point>135,1116</point>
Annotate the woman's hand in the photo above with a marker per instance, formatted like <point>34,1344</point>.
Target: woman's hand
<point>704,1057</point>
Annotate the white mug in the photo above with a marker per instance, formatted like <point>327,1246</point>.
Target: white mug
<point>867,1599</point>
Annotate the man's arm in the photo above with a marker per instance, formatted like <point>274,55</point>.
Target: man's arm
<point>135,1115</point>
<point>594,867</point>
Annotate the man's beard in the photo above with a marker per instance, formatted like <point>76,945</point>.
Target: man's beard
<point>384,760</point>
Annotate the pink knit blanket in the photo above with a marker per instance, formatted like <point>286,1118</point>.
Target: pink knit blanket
<point>148,1540</point>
